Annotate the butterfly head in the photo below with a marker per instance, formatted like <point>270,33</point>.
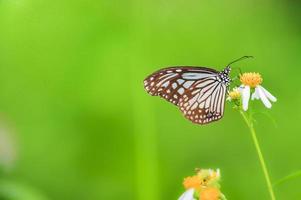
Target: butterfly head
<point>227,70</point>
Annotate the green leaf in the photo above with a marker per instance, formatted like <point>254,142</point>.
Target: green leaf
<point>287,178</point>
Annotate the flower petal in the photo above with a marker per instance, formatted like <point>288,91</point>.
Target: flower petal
<point>218,173</point>
<point>245,94</point>
<point>255,95</point>
<point>268,94</point>
<point>263,98</point>
<point>188,195</point>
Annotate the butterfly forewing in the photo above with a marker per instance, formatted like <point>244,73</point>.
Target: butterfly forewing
<point>197,91</point>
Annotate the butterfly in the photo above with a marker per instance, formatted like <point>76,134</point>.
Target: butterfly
<point>199,92</point>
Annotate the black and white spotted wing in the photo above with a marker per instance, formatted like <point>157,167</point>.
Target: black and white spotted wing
<point>199,92</point>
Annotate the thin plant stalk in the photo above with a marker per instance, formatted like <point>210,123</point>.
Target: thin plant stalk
<point>259,153</point>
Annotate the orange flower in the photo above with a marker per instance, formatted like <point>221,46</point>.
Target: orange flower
<point>251,79</point>
<point>192,182</point>
<point>234,94</point>
<point>210,194</point>
<point>204,185</point>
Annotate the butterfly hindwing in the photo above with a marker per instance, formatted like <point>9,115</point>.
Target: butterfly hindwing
<point>203,105</point>
<point>197,91</point>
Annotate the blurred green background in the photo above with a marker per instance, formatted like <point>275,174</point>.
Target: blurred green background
<point>76,123</point>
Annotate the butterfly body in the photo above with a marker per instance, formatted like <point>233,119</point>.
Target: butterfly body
<point>199,92</point>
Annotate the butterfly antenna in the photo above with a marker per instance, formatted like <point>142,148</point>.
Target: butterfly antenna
<point>239,59</point>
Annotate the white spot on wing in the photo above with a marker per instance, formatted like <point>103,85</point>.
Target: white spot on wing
<point>201,106</point>
<point>187,84</point>
<point>194,106</point>
<point>181,91</point>
<point>191,75</point>
<point>165,78</point>
<point>165,84</point>
<point>203,84</point>
<point>180,81</point>
<point>208,102</point>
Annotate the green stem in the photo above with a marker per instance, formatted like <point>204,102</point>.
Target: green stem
<point>259,153</point>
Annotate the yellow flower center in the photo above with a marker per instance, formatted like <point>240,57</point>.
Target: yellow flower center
<point>251,79</point>
<point>234,94</point>
<point>192,182</point>
<point>210,194</point>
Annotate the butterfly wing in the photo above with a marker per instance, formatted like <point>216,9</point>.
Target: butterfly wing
<point>204,102</point>
<point>197,91</point>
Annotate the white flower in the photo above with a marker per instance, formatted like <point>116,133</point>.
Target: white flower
<point>245,96</point>
<point>253,80</point>
<point>187,195</point>
<point>264,96</point>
